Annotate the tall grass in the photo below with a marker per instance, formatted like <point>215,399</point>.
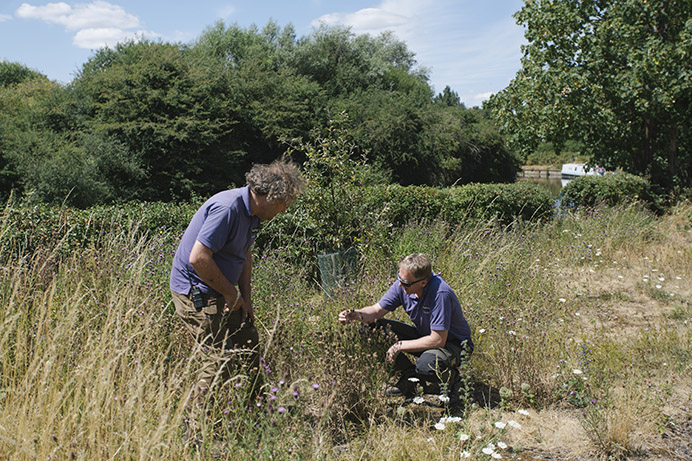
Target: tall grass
<point>95,365</point>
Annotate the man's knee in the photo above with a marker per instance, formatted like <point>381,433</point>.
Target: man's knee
<point>432,365</point>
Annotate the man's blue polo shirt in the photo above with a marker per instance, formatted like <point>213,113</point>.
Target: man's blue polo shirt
<point>438,309</point>
<point>223,224</point>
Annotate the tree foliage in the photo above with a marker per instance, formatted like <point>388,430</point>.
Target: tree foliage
<point>615,74</point>
<point>163,121</point>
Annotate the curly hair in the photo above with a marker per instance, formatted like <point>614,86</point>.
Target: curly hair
<point>418,264</point>
<point>280,181</point>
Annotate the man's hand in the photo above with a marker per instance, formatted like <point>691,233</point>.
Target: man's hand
<point>393,351</point>
<point>248,312</point>
<point>350,315</point>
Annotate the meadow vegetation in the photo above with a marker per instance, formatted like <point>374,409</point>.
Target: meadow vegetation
<point>582,325</point>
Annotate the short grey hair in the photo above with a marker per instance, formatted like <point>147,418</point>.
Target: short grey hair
<point>280,181</point>
<point>418,264</point>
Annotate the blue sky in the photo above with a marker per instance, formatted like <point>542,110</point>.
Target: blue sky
<point>471,45</point>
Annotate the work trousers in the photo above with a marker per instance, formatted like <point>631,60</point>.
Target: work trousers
<point>222,338</point>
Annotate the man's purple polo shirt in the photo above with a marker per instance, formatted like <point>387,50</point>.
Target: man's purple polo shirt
<point>438,309</point>
<point>223,224</point>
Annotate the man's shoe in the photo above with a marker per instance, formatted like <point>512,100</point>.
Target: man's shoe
<point>403,387</point>
<point>394,391</point>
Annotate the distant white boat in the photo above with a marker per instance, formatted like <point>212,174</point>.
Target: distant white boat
<point>574,170</point>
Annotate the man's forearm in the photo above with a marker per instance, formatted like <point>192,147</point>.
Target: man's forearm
<point>206,268</point>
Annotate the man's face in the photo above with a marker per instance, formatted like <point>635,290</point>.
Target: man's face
<point>267,210</point>
<point>409,283</point>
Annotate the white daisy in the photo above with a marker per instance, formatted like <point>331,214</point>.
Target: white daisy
<point>500,425</point>
<point>523,412</point>
<point>440,427</point>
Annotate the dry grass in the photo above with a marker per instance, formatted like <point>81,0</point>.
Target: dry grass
<point>94,365</point>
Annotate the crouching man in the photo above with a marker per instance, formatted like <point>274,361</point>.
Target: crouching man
<point>439,334</point>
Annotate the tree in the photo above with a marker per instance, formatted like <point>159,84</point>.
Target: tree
<point>615,74</point>
<point>12,73</point>
<point>172,110</point>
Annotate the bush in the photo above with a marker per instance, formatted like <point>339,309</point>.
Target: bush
<point>610,190</point>
<point>368,214</point>
<point>25,228</point>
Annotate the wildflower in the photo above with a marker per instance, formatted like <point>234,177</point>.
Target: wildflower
<point>430,439</point>
<point>450,419</point>
<point>514,424</point>
<point>418,400</point>
<point>620,277</point>
<point>500,425</point>
<point>658,286</point>
<point>464,437</point>
<point>496,455</point>
<point>523,412</point>
<point>562,300</point>
<point>577,371</point>
<point>315,386</point>
<point>281,409</point>
<point>488,451</point>
<point>502,445</point>
<point>274,390</point>
<point>413,379</point>
<point>465,454</point>
<point>440,426</point>
<point>443,398</point>
<point>481,331</point>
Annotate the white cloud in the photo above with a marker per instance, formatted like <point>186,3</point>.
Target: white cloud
<point>227,12</point>
<point>477,99</point>
<point>97,14</point>
<point>107,37</point>
<point>97,24</point>
<point>396,15</point>
<point>368,20</point>
<point>5,17</point>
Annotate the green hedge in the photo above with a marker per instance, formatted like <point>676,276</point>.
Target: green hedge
<point>610,190</point>
<point>26,228</point>
<point>366,216</point>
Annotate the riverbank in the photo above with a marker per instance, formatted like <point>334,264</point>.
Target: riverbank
<point>540,171</point>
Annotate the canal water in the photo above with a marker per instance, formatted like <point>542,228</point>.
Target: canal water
<point>554,185</point>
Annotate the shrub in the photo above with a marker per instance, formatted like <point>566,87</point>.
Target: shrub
<point>610,190</point>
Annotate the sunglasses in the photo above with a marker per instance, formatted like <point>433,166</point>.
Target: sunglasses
<point>405,283</point>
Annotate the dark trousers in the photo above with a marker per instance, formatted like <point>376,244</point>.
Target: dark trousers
<point>433,365</point>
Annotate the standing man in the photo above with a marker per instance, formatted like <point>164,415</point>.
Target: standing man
<point>210,278</point>
<point>439,334</point>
